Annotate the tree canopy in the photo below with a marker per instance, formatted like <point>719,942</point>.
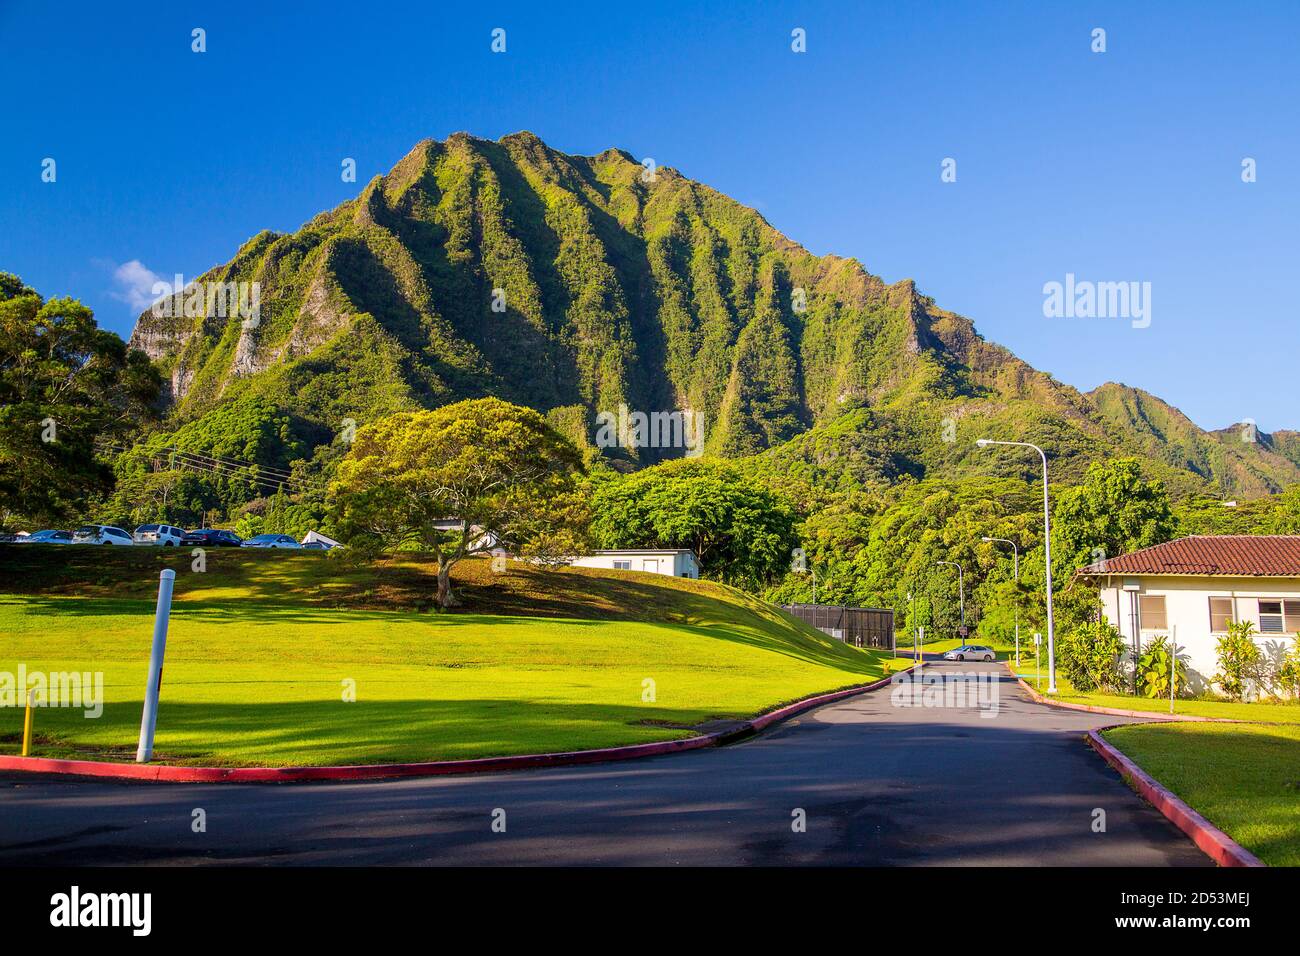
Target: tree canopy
<point>741,531</point>
<point>1114,510</point>
<point>497,470</point>
<point>65,385</point>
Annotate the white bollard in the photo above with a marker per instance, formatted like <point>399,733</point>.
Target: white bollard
<point>149,719</point>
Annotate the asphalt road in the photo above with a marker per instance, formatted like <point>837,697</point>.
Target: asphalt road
<point>877,784</point>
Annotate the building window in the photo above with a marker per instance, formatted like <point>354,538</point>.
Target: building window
<point>1278,616</point>
<point>1151,608</point>
<point>622,565</point>
<point>1220,614</point>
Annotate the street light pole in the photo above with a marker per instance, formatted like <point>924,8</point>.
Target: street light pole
<point>1047,554</point>
<point>961,590</point>
<point>1015,557</point>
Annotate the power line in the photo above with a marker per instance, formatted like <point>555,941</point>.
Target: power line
<point>206,464</point>
<point>263,484</point>
<point>234,470</point>
<point>235,463</point>
<point>228,462</point>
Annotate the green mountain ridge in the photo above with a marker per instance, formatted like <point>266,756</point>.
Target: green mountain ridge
<point>654,292</point>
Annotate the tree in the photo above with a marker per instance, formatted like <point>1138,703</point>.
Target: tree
<point>1240,660</point>
<point>1114,511</point>
<point>65,384</point>
<point>1089,656</point>
<point>233,455</point>
<point>1157,666</point>
<point>498,470</point>
<point>741,531</point>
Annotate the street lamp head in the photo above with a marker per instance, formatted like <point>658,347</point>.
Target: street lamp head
<point>982,442</point>
<point>986,538</point>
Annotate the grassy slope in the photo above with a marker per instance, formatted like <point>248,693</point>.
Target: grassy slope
<point>1243,778</point>
<point>261,643</point>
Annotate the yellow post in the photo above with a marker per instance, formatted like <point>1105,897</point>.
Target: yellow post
<point>27,723</point>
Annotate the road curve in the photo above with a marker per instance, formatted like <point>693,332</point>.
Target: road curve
<point>875,783</point>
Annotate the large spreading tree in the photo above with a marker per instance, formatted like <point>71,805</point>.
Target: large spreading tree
<point>68,391</point>
<point>1115,510</point>
<point>497,472</point>
<point>741,531</point>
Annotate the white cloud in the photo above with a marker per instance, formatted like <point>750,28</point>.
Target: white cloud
<point>135,284</point>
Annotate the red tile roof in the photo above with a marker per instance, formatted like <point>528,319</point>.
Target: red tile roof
<point>1244,555</point>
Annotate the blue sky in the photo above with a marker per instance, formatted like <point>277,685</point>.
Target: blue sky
<point>1115,166</point>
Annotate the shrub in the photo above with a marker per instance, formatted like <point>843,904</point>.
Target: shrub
<point>1089,657</point>
<point>1154,667</point>
<point>1240,659</point>
<point>1288,670</point>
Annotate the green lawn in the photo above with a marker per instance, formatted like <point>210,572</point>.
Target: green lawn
<point>1244,778</point>
<point>261,646</point>
<point>1288,713</point>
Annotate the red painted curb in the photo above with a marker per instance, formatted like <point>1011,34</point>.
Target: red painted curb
<point>170,774</point>
<point>1212,841</point>
<point>1115,711</point>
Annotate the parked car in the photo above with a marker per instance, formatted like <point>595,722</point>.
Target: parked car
<point>101,534</point>
<point>317,546</point>
<point>271,541</point>
<point>47,537</point>
<point>159,534</point>
<point>212,538</point>
<point>971,652</point>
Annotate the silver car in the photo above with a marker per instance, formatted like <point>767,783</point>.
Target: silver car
<point>971,652</point>
<point>48,536</point>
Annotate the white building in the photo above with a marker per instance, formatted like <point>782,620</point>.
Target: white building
<point>478,539</point>
<point>1194,587</point>
<point>675,562</point>
<point>315,537</point>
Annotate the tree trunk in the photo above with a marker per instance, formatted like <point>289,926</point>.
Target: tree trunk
<point>446,597</point>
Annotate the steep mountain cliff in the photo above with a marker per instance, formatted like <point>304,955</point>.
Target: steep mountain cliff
<point>578,284</point>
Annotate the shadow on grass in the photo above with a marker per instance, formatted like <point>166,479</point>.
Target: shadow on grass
<point>405,581</point>
<point>325,732</point>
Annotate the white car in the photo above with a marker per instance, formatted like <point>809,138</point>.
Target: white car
<point>48,536</point>
<point>100,534</point>
<point>160,534</point>
<point>971,652</point>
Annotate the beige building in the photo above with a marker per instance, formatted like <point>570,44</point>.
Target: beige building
<point>1192,588</point>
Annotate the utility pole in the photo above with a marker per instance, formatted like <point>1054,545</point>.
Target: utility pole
<point>961,592</point>
<point>1015,556</point>
<point>1047,554</point>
